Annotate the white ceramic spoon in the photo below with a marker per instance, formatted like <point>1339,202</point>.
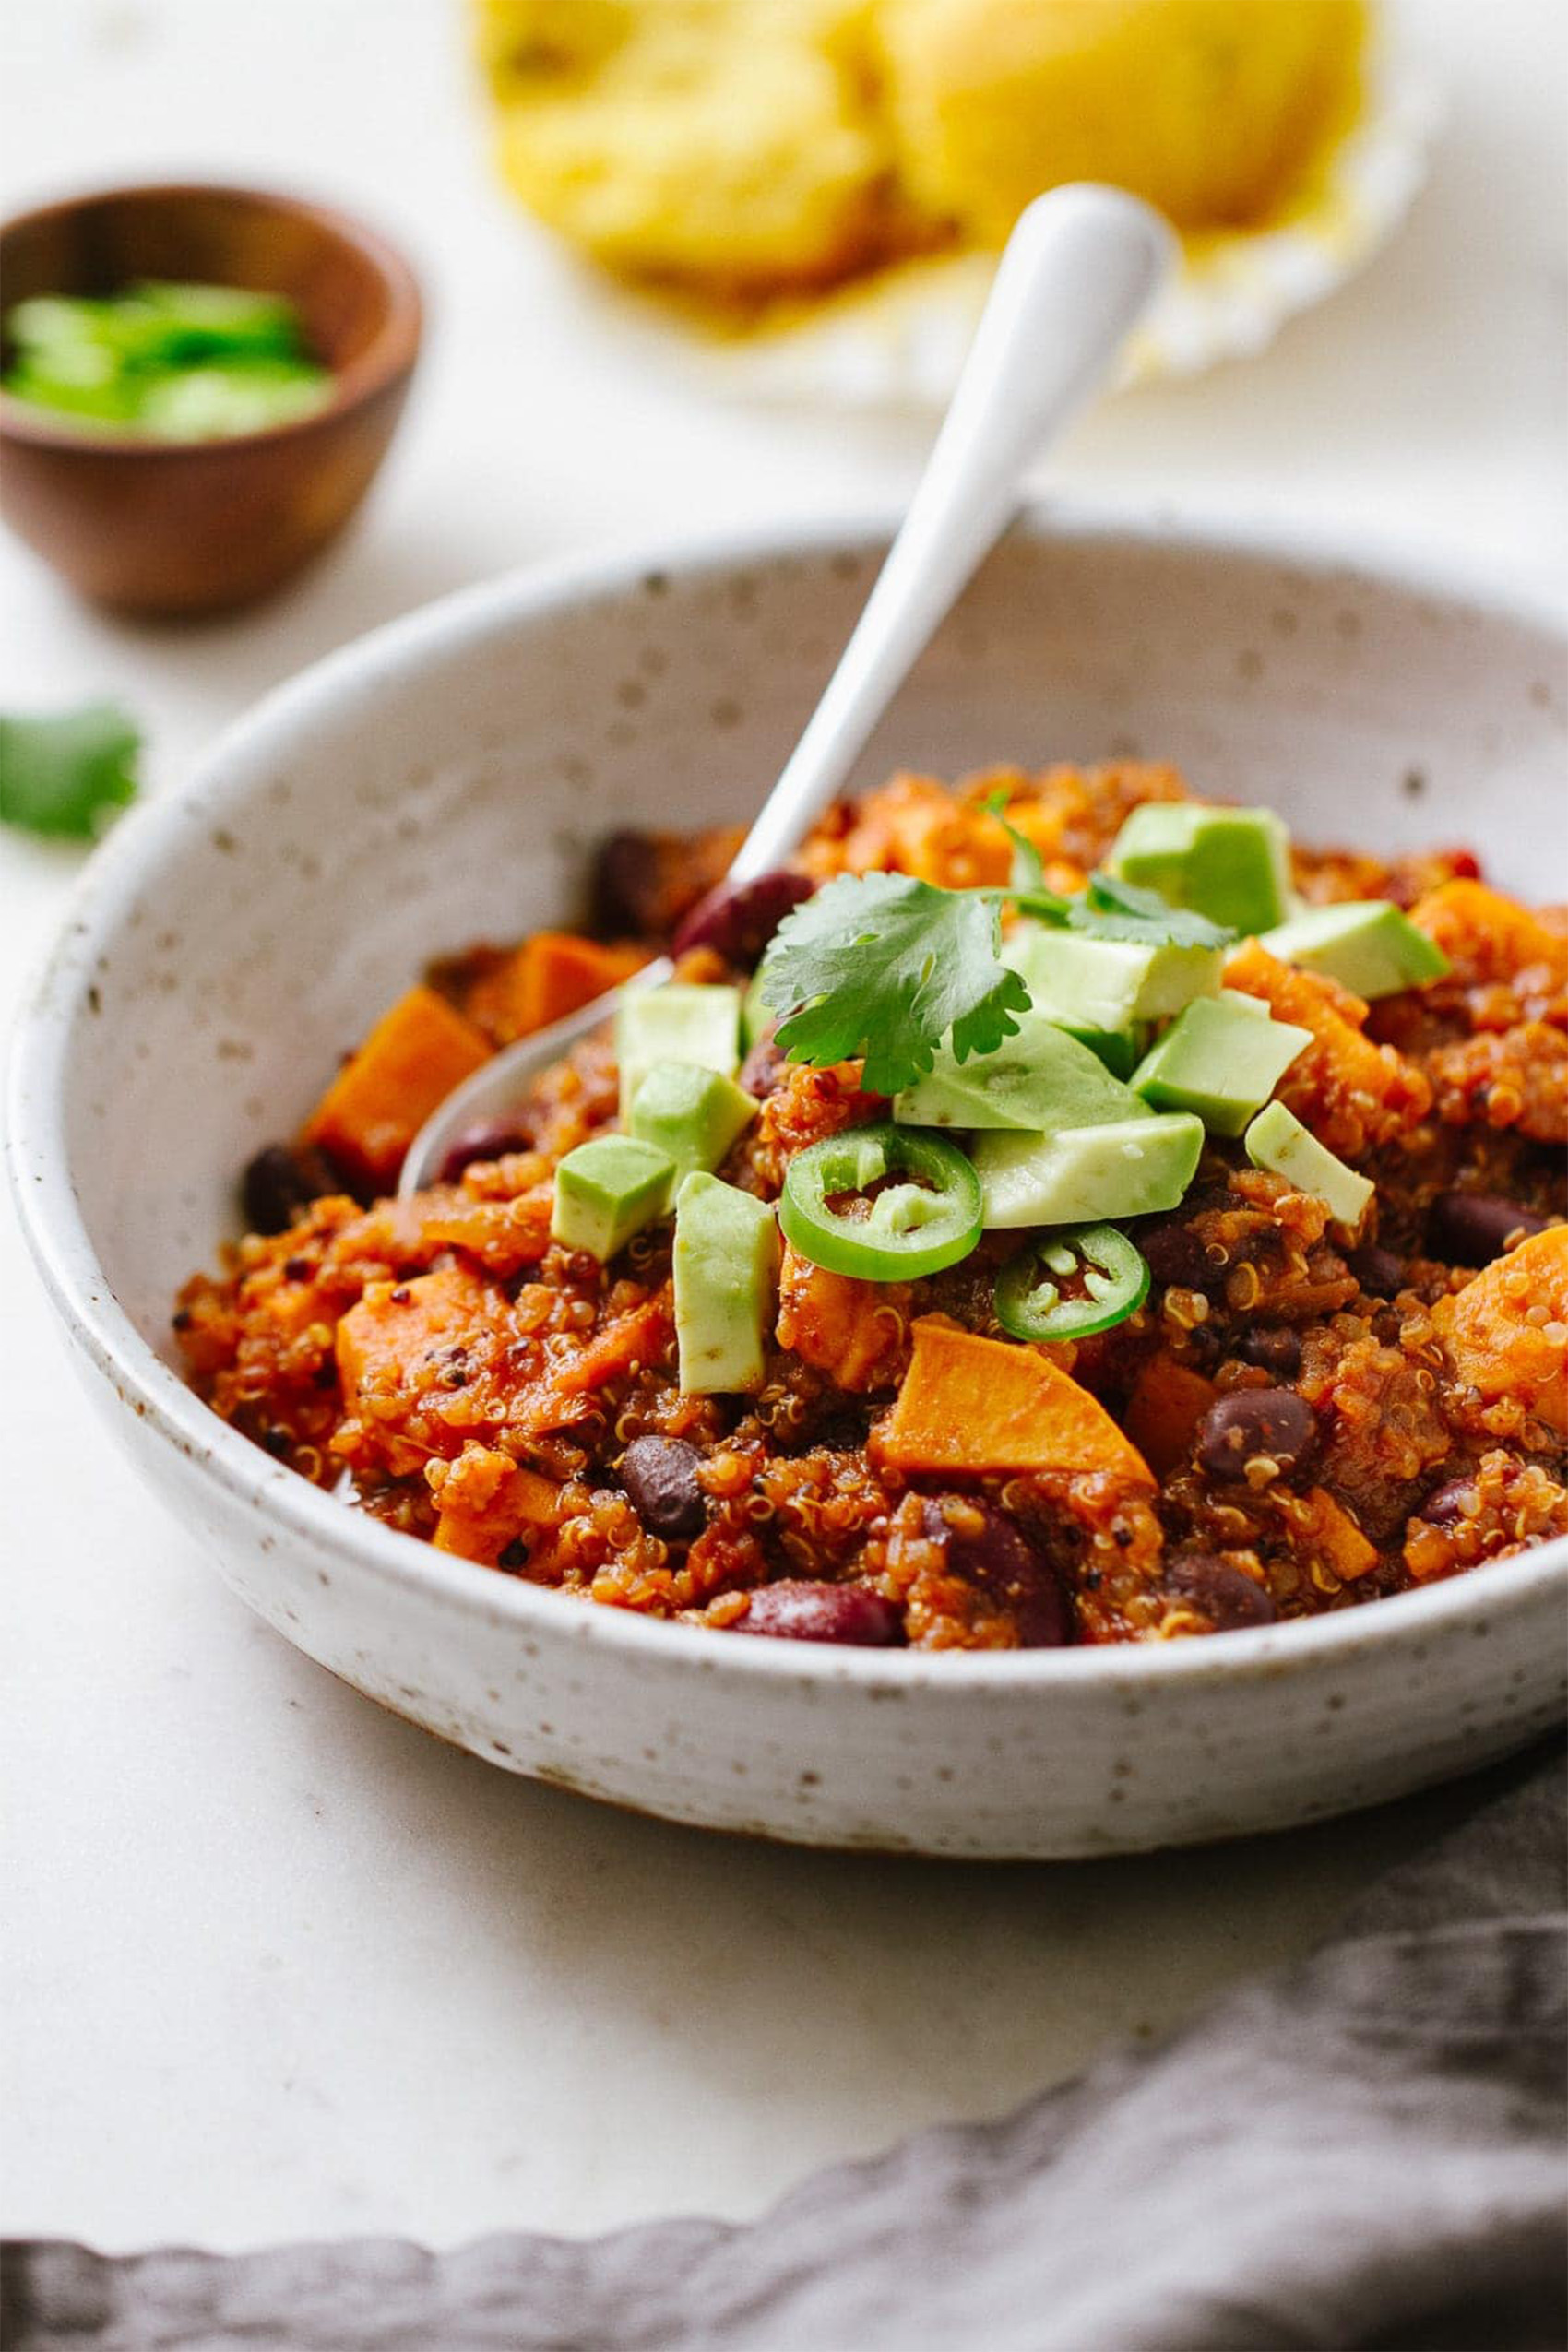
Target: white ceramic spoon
<point>1079,269</point>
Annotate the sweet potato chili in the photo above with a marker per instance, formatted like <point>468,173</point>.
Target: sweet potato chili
<point>1059,1209</point>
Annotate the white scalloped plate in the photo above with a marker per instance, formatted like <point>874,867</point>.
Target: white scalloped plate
<point>899,339</point>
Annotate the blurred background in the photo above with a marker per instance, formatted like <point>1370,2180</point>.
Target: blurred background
<point>1421,401</point>
<point>1420,404</point>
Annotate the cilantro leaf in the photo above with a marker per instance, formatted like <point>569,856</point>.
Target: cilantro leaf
<point>1111,909</point>
<point>62,776</point>
<point>883,966</point>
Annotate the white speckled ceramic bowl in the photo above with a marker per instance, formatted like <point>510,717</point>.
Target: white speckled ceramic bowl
<point>445,780</point>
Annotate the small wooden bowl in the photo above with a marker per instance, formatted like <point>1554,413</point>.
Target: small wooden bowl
<point>202,526</point>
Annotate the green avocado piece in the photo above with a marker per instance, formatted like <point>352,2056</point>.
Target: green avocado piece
<point>694,1115</point>
<point>1278,1140</point>
<point>1220,1061</point>
<point>683,1021</point>
<point>1107,984</point>
<point>726,1273</point>
<point>608,1190</point>
<point>1233,865</point>
<point>1088,1175</point>
<point>1042,1077</point>
<point>1367,945</point>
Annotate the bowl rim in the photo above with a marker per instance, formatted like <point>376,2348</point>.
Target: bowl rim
<point>387,359</point>
<point>309,1516</point>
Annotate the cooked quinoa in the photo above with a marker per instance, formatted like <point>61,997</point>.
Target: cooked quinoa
<point>1310,1419</point>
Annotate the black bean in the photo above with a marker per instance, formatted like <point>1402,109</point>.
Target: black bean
<point>280,1183</point>
<point>997,1556</point>
<point>1274,1347</point>
<point>1379,1272</point>
<point>1444,1507</point>
<point>1226,1596</point>
<point>660,1474</point>
<point>486,1139</point>
<point>738,919</point>
<point>795,1609</point>
<point>1252,1423</point>
<point>1471,1229</point>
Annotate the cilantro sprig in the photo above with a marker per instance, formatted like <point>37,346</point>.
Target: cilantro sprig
<point>883,966</point>
<point>67,775</point>
<point>887,968</point>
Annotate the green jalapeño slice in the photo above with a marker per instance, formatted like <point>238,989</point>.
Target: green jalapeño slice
<point>1070,1283</point>
<point>887,1203</point>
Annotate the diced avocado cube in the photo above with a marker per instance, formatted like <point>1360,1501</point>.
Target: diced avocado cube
<point>1220,1061</point>
<point>1233,865</point>
<point>1367,945</point>
<point>694,1115</point>
<point>1037,1079</point>
<point>608,1190</point>
<point>1121,1050</point>
<point>1108,984</point>
<point>1238,997</point>
<point>1088,1175</point>
<point>683,1021</point>
<point>1278,1140</point>
<point>726,1274</point>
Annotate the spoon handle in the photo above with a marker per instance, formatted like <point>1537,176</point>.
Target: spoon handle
<point>1077,270</point>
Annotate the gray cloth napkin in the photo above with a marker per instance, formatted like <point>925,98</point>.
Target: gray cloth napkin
<point>1365,2150</point>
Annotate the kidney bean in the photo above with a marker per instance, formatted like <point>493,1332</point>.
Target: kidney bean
<point>660,1474</point>
<point>738,919</point>
<point>1226,1596</point>
<point>763,1068</point>
<point>998,1557</point>
<point>1444,1507</point>
<point>1274,1347</point>
<point>1253,1422</point>
<point>280,1183</point>
<point>795,1609</point>
<point>1471,1229</point>
<point>486,1139</point>
<point>1379,1272</point>
<point>623,880</point>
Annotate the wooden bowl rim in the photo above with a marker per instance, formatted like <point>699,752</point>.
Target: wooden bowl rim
<point>389,356</point>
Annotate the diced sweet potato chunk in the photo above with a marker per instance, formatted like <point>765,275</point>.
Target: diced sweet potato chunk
<point>395,1345</point>
<point>1168,1400</point>
<point>413,1058</point>
<point>1351,1093</point>
<point>1507,1331</point>
<point>1326,1531</point>
<point>972,1405</point>
<point>492,1510</point>
<point>553,974</point>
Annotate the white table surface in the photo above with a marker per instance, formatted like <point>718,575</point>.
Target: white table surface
<point>278,1964</point>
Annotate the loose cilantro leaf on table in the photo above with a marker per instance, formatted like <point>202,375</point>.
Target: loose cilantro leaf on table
<point>63,775</point>
<point>883,966</point>
<point>1111,909</point>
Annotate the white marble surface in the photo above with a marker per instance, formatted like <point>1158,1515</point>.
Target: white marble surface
<point>276,1964</point>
